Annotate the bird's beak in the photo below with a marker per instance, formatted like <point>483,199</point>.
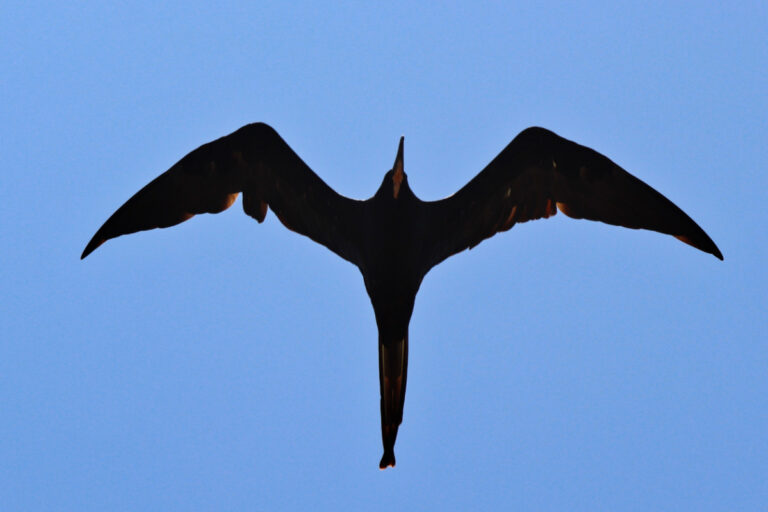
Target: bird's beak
<point>397,168</point>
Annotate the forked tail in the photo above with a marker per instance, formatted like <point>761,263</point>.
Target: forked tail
<point>393,370</point>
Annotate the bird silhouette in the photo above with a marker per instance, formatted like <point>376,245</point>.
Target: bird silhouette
<point>394,238</point>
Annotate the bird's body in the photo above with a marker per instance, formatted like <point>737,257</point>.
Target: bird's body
<point>394,238</point>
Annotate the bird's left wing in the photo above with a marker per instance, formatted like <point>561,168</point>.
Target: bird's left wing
<point>538,173</point>
<point>256,161</point>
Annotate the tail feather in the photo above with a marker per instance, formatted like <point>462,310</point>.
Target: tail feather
<point>393,370</point>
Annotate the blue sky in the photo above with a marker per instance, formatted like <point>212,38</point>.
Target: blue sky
<point>225,365</point>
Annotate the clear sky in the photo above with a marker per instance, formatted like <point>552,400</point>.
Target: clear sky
<point>227,365</point>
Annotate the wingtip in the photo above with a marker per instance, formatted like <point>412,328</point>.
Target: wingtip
<point>702,243</point>
<point>92,246</point>
<point>714,249</point>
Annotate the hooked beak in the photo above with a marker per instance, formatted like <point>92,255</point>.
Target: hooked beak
<point>397,168</point>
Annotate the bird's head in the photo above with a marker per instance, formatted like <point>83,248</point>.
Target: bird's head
<point>395,181</point>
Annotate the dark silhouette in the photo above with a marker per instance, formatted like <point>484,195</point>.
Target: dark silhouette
<point>395,238</point>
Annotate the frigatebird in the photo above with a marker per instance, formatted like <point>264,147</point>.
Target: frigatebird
<point>395,238</point>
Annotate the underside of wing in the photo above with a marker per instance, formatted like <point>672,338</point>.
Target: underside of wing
<point>540,172</point>
<point>253,160</point>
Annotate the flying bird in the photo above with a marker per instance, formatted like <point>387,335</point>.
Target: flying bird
<point>395,238</point>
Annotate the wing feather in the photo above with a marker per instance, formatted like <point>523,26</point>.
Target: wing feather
<point>539,173</point>
<point>256,161</point>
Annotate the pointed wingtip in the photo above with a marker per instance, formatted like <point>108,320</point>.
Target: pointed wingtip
<point>92,246</point>
<point>715,250</point>
<point>712,248</point>
<point>703,243</point>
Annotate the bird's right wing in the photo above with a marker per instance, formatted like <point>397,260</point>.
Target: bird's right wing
<point>538,173</point>
<point>256,161</point>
